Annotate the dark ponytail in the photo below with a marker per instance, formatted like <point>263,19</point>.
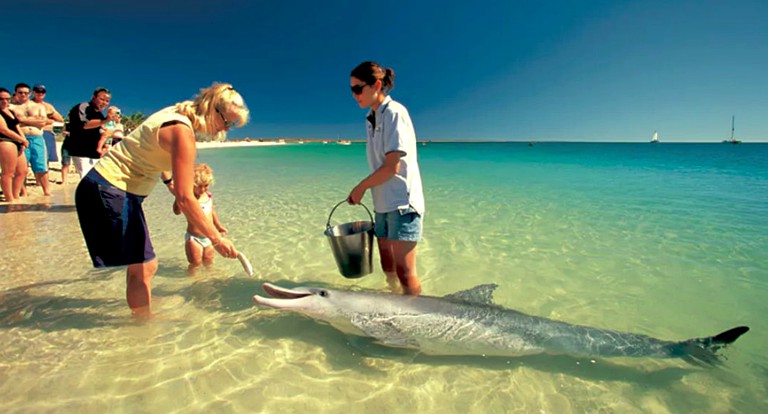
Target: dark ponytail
<point>370,72</point>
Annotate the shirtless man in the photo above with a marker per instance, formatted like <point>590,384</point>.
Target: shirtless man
<point>38,95</point>
<point>32,120</point>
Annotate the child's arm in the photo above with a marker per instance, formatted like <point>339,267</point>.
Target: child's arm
<point>216,222</point>
<point>102,147</point>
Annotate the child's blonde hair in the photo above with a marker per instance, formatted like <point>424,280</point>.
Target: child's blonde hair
<point>203,175</point>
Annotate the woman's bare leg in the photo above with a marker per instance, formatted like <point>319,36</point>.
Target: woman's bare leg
<point>139,287</point>
<point>405,263</point>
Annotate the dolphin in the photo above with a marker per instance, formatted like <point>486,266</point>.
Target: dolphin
<point>469,323</point>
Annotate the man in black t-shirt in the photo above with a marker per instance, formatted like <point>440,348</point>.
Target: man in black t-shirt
<point>85,143</point>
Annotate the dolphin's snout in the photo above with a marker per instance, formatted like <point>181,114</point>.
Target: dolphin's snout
<point>282,293</point>
<point>280,298</point>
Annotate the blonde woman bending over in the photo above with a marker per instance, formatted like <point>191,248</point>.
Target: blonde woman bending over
<point>109,197</point>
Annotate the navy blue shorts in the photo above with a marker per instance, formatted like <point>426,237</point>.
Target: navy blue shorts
<point>50,146</point>
<point>113,223</point>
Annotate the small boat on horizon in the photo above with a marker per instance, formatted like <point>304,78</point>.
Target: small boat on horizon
<point>732,140</point>
<point>655,137</point>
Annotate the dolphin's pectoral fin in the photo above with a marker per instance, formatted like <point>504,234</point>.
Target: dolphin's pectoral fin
<point>481,294</point>
<point>384,331</point>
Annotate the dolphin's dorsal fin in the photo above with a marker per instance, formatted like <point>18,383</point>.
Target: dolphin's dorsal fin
<point>482,294</point>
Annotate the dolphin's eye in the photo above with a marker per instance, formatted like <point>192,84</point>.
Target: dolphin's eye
<point>324,293</point>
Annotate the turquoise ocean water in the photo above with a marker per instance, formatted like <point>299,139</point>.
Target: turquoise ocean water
<point>667,240</point>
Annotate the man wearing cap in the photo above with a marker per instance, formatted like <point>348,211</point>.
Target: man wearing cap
<point>38,95</point>
<point>85,143</point>
<point>32,120</point>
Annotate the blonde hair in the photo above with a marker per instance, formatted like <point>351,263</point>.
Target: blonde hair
<point>215,101</point>
<point>203,175</point>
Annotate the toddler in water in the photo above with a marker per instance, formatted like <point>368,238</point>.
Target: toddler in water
<point>199,249</point>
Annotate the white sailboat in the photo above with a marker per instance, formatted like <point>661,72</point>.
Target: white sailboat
<point>732,140</point>
<point>655,137</point>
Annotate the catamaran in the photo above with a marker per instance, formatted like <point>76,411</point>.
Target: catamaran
<point>732,140</point>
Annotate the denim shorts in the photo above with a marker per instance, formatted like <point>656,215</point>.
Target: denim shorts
<point>403,225</point>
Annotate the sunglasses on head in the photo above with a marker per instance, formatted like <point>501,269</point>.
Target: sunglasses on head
<point>358,89</point>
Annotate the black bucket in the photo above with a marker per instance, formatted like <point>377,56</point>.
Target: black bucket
<point>352,245</point>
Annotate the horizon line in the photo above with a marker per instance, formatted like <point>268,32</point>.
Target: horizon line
<point>361,140</point>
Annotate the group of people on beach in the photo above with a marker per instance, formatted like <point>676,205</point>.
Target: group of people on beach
<point>27,139</point>
<point>115,182</point>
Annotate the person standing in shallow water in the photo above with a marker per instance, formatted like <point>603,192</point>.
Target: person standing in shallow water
<point>163,147</point>
<point>198,248</point>
<point>395,180</point>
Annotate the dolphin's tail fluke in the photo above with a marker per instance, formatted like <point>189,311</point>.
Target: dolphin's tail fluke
<point>703,351</point>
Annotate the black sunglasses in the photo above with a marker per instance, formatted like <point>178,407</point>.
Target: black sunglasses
<point>358,89</point>
<point>229,124</point>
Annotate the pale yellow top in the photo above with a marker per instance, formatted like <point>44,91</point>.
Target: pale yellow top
<point>135,164</point>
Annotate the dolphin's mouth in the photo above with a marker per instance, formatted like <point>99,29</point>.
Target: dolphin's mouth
<point>281,293</point>
<point>281,298</point>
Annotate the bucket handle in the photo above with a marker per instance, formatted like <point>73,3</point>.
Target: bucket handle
<point>328,223</point>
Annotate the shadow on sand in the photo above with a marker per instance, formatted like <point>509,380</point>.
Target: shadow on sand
<point>47,207</point>
<point>21,307</point>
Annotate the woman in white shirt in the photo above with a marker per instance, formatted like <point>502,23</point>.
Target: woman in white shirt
<point>395,180</point>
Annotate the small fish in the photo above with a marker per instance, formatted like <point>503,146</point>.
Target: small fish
<point>246,264</point>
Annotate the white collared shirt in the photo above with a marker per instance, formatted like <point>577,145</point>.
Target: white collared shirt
<point>394,132</point>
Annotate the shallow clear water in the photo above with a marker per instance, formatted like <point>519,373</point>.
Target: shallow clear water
<point>667,240</point>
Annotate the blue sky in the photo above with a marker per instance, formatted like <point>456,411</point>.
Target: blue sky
<point>517,70</point>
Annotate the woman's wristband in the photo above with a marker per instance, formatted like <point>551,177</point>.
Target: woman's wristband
<point>168,181</point>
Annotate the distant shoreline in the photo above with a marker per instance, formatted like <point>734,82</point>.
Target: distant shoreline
<point>232,143</point>
<point>280,141</point>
